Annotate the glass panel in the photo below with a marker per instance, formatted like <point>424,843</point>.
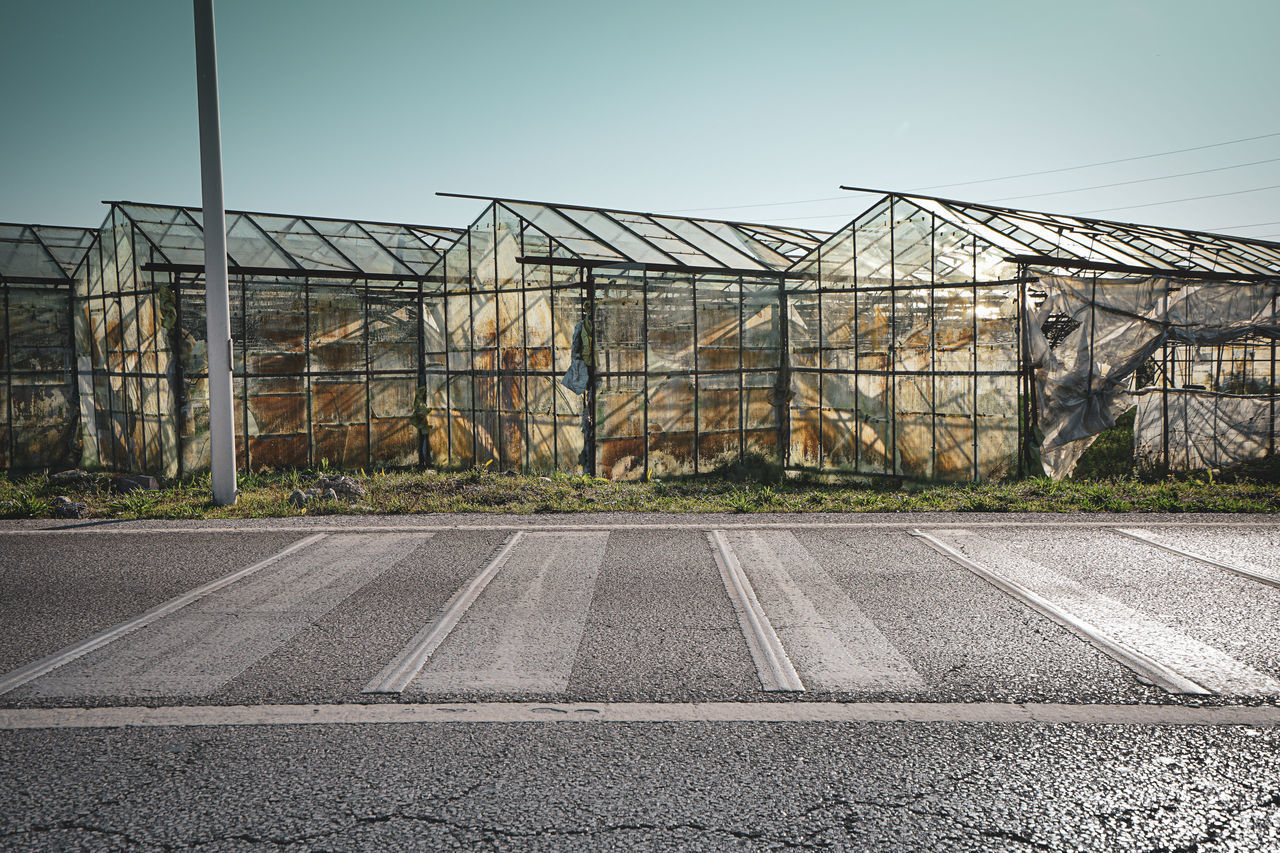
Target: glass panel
<point>872,247</point>
<point>358,246</point>
<point>671,323</point>
<point>248,246</point>
<point>564,231</point>
<point>617,237</point>
<point>405,245</point>
<point>308,250</point>
<point>177,234</point>
<point>716,250</point>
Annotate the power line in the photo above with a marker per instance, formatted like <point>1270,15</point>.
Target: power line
<point>1004,178</point>
<point>1176,200</point>
<point>1127,183</point>
<point>1101,163</point>
<point>764,204</point>
<point>1250,225</point>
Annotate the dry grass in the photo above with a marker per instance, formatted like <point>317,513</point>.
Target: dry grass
<point>265,495</point>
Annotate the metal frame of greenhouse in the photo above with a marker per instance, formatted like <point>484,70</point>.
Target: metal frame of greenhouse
<point>932,331</point>
<point>685,358</point>
<point>903,345</point>
<point>38,267</point>
<point>326,339</point>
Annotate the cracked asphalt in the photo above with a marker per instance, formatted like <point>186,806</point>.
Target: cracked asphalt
<point>554,786</point>
<point>659,628</point>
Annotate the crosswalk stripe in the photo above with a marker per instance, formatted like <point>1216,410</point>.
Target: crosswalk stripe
<point>827,636</point>
<point>1252,573</point>
<point>522,633</point>
<point>777,674</point>
<point>201,648</point>
<point>1161,655</point>
<point>395,677</point>
<point>65,656</point>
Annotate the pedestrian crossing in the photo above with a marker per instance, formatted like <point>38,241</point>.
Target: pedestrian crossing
<point>807,620</point>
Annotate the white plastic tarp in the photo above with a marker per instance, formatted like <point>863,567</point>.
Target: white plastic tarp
<point>1206,430</point>
<point>1084,383</point>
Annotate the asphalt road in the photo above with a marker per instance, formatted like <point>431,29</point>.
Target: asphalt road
<point>1022,612</point>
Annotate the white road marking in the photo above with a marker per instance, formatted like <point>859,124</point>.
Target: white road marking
<point>1251,572</point>
<point>1161,655</point>
<point>13,719</point>
<point>772,664</point>
<point>395,677</point>
<point>45,665</point>
<point>196,651</point>
<point>523,631</point>
<point>826,635</point>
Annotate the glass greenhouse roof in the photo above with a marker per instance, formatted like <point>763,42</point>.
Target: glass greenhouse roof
<point>42,252</point>
<point>1039,238</point>
<point>629,237</point>
<point>285,244</point>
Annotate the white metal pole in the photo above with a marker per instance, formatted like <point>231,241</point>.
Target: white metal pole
<point>222,426</point>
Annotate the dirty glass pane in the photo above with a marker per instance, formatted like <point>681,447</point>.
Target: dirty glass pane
<point>617,237</point>
<point>997,313</point>
<point>840,423</point>
<point>507,247</point>
<point>954,401</point>
<point>458,313</point>
<point>838,318</point>
<point>395,438</point>
<point>337,329</point>
<point>871,240</point>
<point>671,423</point>
<point>404,244</point>
<point>874,443</point>
<point>718,403</point>
<point>673,247</point>
<point>953,253</point>
<point>914,402</point>
<point>806,419</point>
<point>709,244</point>
<point>761,332</point>
<point>671,323</point>
<point>177,235</point>
<point>997,405</point>
<point>433,331</point>
<point>538,331</point>
<point>620,412</point>
<point>760,419</point>
<point>22,256</point>
<point>340,432</point>
<point>569,234</point>
<point>393,333</point>
<point>913,344</point>
<point>248,246</point>
<point>358,245</point>
<point>463,435</point>
<point>912,245</point>
<point>620,329</point>
<point>719,340</point>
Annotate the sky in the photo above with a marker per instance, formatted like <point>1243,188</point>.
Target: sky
<point>747,110</point>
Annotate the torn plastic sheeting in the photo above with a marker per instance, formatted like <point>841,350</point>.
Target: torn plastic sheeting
<point>1083,384</point>
<point>1206,430</point>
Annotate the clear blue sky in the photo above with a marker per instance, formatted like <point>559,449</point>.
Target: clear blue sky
<point>366,109</point>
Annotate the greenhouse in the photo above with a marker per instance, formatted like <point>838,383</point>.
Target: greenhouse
<point>324,318</point>
<point>618,343</point>
<point>938,339</point>
<point>38,265</point>
<point>929,339</point>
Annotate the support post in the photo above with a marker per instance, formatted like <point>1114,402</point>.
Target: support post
<point>222,437</point>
